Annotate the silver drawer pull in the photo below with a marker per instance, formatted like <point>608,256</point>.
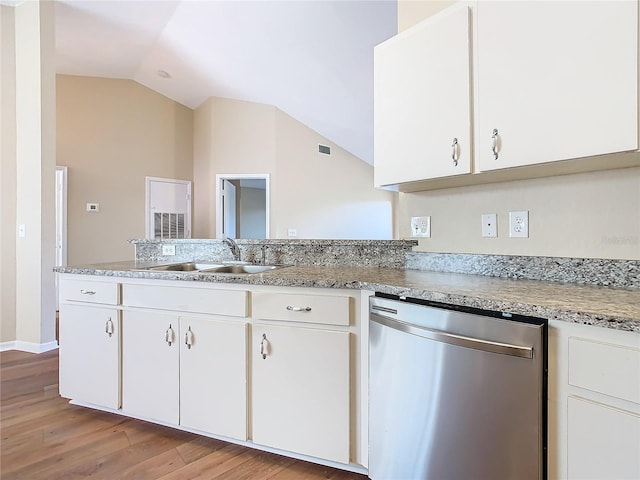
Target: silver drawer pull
<point>298,309</point>
<point>87,292</point>
<point>495,147</point>
<point>455,155</point>
<point>188,339</point>
<point>264,346</point>
<point>108,328</point>
<point>168,335</point>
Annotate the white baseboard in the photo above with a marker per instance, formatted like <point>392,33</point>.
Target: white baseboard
<point>28,346</point>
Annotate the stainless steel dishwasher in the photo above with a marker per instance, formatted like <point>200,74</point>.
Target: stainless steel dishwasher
<point>455,394</point>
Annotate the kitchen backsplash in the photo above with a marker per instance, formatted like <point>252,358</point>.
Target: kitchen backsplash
<point>587,271</point>
<point>364,253</point>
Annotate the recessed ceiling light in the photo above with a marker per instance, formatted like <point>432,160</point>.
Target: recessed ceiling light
<point>164,74</point>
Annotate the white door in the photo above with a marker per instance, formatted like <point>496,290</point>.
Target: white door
<point>89,355</point>
<point>300,390</point>
<point>422,101</point>
<point>229,209</point>
<point>557,80</point>
<point>168,208</point>
<point>213,376</point>
<point>150,365</point>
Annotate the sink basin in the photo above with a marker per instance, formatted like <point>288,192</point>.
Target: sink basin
<point>183,267</point>
<point>246,269</point>
<point>241,268</point>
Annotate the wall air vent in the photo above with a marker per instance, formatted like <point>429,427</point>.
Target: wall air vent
<point>324,149</point>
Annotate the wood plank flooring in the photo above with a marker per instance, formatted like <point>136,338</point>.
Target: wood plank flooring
<point>44,437</point>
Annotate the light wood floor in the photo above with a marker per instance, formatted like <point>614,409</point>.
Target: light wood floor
<point>43,437</point>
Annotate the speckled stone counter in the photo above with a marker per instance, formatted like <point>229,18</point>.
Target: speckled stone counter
<point>616,308</point>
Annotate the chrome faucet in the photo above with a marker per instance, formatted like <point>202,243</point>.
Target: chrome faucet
<point>233,246</point>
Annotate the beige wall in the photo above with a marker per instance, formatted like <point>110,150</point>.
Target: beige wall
<point>320,196</point>
<point>8,175</point>
<point>28,174</point>
<point>111,135</point>
<point>233,137</point>
<point>592,215</point>
<point>325,196</point>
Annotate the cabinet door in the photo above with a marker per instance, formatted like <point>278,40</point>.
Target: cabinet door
<point>213,376</point>
<point>603,442</point>
<point>300,390</point>
<point>422,101</point>
<point>150,356</point>
<point>90,355</point>
<point>558,80</point>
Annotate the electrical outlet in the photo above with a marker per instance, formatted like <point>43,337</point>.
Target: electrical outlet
<point>168,249</point>
<point>292,232</point>
<point>489,225</point>
<point>519,224</point>
<point>421,227</point>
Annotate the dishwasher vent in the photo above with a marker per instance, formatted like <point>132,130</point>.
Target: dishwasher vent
<point>324,149</point>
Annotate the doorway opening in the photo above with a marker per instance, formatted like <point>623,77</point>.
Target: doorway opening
<point>168,208</point>
<point>242,206</point>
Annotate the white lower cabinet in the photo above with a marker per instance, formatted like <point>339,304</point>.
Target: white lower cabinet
<point>300,390</point>
<point>604,442</point>
<point>150,365</point>
<point>184,361</point>
<point>189,371</point>
<point>213,376</point>
<point>594,403</point>
<point>90,354</point>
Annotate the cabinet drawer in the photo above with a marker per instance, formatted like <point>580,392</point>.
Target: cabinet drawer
<point>605,368</point>
<point>326,309</point>
<point>197,300</point>
<point>89,291</point>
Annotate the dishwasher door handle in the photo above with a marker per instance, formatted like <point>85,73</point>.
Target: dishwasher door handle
<point>453,339</point>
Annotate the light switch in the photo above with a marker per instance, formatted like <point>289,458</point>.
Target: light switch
<point>22,230</point>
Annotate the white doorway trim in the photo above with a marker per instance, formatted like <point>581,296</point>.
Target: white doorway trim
<point>220,178</point>
<point>61,216</point>
<point>61,222</point>
<point>148,220</point>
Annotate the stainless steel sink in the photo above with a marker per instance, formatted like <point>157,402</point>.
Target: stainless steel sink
<point>234,268</point>
<point>183,267</point>
<point>242,269</point>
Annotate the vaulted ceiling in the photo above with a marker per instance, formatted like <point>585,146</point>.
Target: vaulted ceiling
<point>313,59</point>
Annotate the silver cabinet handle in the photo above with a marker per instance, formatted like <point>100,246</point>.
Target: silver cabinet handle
<point>188,338</point>
<point>168,335</point>
<point>108,328</point>
<point>264,346</point>
<point>455,154</point>
<point>494,143</point>
<point>87,292</point>
<point>298,309</point>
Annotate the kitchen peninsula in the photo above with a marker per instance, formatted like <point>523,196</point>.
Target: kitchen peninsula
<point>293,352</point>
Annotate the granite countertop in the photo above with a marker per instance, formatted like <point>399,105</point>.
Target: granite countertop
<point>616,308</point>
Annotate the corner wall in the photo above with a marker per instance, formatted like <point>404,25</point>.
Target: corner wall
<point>320,196</point>
<point>592,215</point>
<point>28,177</point>
<point>111,135</point>
<point>8,178</point>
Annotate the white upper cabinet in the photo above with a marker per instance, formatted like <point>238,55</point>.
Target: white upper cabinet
<point>557,80</point>
<point>526,82</point>
<point>422,101</point>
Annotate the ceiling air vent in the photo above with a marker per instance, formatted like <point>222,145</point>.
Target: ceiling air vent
<point>324,149</point>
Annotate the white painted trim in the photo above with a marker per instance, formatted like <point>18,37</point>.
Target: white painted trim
<point>63,216</point>
<point>148,224</point>
<point>220,177</point>
<point>29,347</point>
